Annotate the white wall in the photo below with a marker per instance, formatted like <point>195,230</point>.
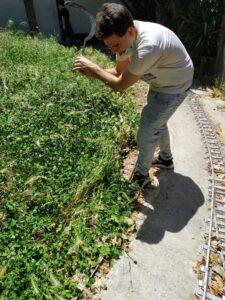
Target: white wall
<point>47,17</point>
<point>46,14</point>
<point>14,10</point>
<point>79,20</point>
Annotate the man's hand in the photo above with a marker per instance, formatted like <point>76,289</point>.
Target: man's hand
<point>118,84</point>
<point>85,66</point>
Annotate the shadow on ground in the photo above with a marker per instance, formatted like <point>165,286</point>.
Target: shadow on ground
<point>174,203</point>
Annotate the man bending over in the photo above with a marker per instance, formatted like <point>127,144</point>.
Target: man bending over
<point>153,53</point>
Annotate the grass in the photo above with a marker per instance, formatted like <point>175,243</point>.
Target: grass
<point>205,81</point>
<point>63,201</point>
<point>218,92</point>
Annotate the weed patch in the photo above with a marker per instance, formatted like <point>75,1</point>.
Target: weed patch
<point>63,202</point>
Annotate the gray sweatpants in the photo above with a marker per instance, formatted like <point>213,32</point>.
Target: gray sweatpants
<point>153,128</point>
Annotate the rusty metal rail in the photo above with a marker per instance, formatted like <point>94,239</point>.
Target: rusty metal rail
<point>215,223</point>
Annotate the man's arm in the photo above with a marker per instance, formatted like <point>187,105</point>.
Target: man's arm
<point>118,84</point>
<point>121,67</point>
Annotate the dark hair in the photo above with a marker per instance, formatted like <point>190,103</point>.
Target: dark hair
<point>113,19</point>
<point>61,2</point>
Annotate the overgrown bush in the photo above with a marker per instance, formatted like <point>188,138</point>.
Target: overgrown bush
<point>198,24</point>
<point>64,205</point>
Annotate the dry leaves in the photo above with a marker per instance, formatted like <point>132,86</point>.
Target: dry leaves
<point>100,283</point>
<point>221,176</point>
<point>28,192</point>
<point>218,128</point>
<point>221,107</point>
<point>215,245</point>
<point>104,269</point>
<point>195,297</point>
<point>116,241</point>
<point>214,259</point>
<point>197,266</point>
<point>221,139</point>
<point>217,287</point>
<point>218,269</point>
<point>217,168</point>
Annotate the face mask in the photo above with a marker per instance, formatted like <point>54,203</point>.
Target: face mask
<point>129,50</point>
<point>127,54</point>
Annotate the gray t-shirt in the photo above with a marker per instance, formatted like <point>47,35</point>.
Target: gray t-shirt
<point>160,58</point>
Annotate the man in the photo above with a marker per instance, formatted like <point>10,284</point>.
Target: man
<point>151,52</point>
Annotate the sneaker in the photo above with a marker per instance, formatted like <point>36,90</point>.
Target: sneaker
<point>139,181</point>
<point>162,163</point>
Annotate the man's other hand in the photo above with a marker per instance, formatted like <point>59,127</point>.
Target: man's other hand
<point>85,66</point>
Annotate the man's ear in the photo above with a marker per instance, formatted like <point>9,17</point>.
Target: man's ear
<point>131,30</point>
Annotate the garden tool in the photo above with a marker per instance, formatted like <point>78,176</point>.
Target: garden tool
<point>91,18</point>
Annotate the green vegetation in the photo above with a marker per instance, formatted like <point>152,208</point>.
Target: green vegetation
<point>219,92</point>
<point>63,201</point>
<point>196,22</point>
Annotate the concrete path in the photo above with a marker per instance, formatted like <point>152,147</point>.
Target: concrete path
<point>171,227</point>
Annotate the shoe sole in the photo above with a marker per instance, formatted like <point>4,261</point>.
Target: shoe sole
<point>163,166</point>
<point>146,182</point>
<point>135,187</point>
